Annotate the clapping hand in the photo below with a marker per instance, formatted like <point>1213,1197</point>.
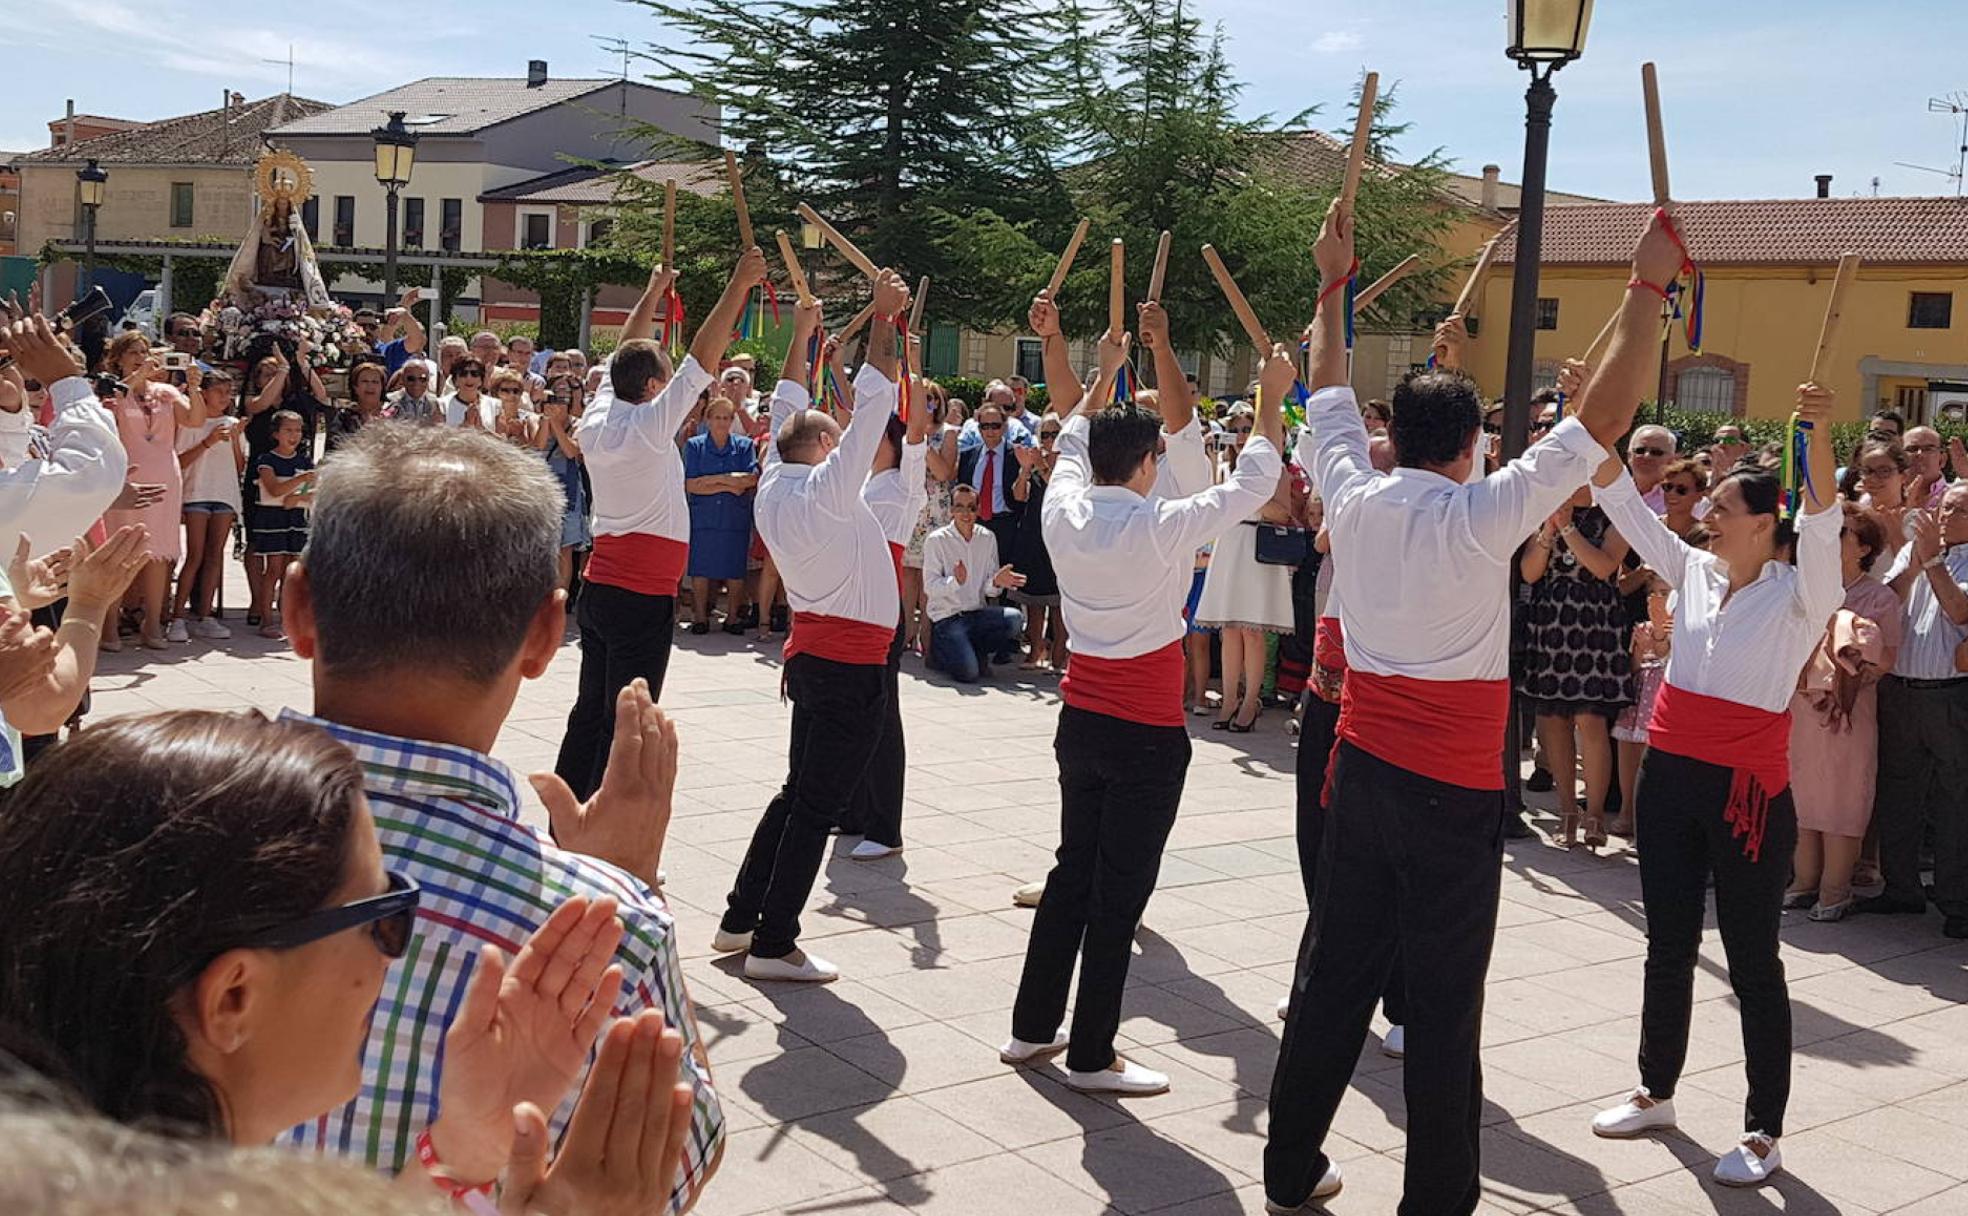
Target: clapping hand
<point>1926,537</point>
<point>962,573</point>
<point>99,575</point>
<point>629,816</point>
<point>38,582</point>
<point>1027,457</point>
<point>623,1151</point>
<point>1006,577</point>
<point>522,1034</point>
<point>27,654</point>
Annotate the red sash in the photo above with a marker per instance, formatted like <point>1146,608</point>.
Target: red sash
<point>1328,659</point>
<point>895,555</point>
<point>1754,744</point>
<point>842,639</point>
<point>638,561</point>
<point>1146,688</point>
<point>1446,730</point>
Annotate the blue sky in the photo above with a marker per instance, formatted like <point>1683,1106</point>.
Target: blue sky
<point>1759,94</point>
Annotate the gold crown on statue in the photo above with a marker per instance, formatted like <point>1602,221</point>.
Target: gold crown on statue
<point>282,174</point>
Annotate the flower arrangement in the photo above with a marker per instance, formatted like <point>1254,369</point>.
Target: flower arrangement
<point>331,335</point>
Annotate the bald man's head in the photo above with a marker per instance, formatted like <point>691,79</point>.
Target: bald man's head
<point>807,437</point>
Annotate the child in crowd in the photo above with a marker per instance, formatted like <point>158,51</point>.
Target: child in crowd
<point>279,522</point>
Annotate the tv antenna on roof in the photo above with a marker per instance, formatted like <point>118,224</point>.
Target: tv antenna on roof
<point>1955,105</point>
<point>616,46</point>
<point>289,61</point>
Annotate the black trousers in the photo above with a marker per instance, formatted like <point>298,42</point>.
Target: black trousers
<point>1686,840</point>
<point>624,634</point>
<point>1923,776</point>
<point>1409,865</point>
<point>838,714</point>
<point>1315,740</point>
<point>875,809</point>
<point>1120,784</point>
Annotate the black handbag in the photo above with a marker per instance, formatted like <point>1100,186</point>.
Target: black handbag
<point>1282,544</point>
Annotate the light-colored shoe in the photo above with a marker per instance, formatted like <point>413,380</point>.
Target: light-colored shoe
<point>1029,895</point>
<point>873,850</point>
<point>731,943</point>
<point>1328,1186</point>
<point>210,627</point>
<point>1636,1116</point>
<point>1744,1166</point>
<point>1284,1008</point>
<point>1395,1042</point>
<point>799,967</point>
<point>1123,1077</point>
<point>175,631</point>
<point>154,643</point>
<point>1018,1051</point>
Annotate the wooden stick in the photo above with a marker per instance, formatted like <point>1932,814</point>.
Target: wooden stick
<point>669,223</point>
<point>1467,299</point>
<point>916,310</point>
<point>1117,289</point>
<point>1356,158</point>
<point>1160,274</point>
<point>793,271</point>
<point>745,237</point>
<point>854,327</point>
<point>1848,268</point>
<point>1238,304</point>
<point>1599,343</point>
<point>1373,290</point>
<point>1656,133</point>
<point>854,256</point>
<point>1066,259</point>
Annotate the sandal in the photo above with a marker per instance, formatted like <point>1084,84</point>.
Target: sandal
<point>1621,826</point>
<point>271,630</point>
<point>1595,832</point>
<point>1568,825</point>
<point>1826,913</point>
<point>1237,727</point>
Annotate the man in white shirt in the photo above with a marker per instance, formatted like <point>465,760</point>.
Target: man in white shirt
<point>962,577</point>
<point>57,499</point>
<point>1414,826</point>
<point>1923,750</point>
<point>1125,558</point>
<point>840,578</point>
<point>627,435</point>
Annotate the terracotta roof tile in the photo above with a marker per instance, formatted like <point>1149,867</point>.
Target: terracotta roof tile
<point>1782,231</point>
<point>587,185</point>
<point>210,137</point>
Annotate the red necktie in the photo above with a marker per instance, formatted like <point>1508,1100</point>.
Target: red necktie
<point>986,485</point>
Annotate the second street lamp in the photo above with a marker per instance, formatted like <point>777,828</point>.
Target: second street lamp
<point>92,185</point>
<point>396,153</point>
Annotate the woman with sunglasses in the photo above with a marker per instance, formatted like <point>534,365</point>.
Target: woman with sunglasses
<point>1681,493</point>
<point>195,925</point>
<point>1714,793</point>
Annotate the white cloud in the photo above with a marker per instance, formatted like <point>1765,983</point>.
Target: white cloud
<point>1332,42</point>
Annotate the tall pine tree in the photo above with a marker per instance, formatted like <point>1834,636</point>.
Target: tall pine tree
<point>924,129</point>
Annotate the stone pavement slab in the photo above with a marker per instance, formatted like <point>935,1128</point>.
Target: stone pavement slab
<point>883,1094</point>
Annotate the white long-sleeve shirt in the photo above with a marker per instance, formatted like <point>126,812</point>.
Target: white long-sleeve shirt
<point>1426,581</point>
<point>633,460</point>
<point>1927,650</point>
<point>897,495</point>
<point>831,550</point>
<point>1125,562</point>
<point>943,550</point>
<point>1184,467</point>
<point>56,500</point>
<point>1747,647</point>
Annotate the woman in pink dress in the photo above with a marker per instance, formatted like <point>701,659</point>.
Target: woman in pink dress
<point>148,415</point>
<point>1834,750</point>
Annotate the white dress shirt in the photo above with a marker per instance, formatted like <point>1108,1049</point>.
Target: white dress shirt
<point>1427,580</point>
<point>897,495</point>
<point>1184,467</point>
<point>632,457</point>
<point>1747,647</point>
<point>1125,562</point>
<point>1927,650</point>
<point>831,550</point>
<point>56,500</point>
<point>943,549</point>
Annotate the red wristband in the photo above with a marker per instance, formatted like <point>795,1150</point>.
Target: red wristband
<point>474,1198</point>
<point>1637,281</point>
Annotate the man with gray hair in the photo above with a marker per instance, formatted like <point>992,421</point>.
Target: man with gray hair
<point>1018,426</point>
<point>428,591</point>
<point>1649,450</point>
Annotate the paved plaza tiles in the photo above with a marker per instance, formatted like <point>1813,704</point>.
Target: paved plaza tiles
<point>883,1092</point>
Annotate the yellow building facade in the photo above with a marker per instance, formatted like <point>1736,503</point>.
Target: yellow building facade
<point>1768,265</point>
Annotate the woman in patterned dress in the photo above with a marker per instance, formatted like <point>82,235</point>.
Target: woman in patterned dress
<point>945,424</point>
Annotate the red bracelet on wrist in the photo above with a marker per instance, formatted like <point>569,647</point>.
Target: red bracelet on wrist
<point>1637,281</point>
<point>476,1199</point>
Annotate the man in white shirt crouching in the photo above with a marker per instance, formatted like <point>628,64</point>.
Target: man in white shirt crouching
<point>962,577</point>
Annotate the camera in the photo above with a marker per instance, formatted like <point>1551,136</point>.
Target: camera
<point>87,308</point>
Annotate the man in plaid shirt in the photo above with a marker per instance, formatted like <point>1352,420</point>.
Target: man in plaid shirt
<point>427,593</point>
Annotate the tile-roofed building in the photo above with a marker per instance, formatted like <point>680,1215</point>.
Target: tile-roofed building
<point>585,186</point>
<point>227,136</point>
<point>457,105</point>
<point>1321,158</point>
<point>1773,231</point>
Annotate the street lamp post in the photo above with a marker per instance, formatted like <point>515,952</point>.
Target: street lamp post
<point>1545,35</point>
<point>93,179</point>
<point>396,153</point>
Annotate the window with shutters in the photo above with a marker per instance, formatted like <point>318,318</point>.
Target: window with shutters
<point>1708,390</point>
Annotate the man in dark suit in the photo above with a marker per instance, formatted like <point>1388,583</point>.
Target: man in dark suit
<point>990,469</point>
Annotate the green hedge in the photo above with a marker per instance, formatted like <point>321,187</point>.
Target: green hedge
<point>971,390</point>
<point>1696,430</point>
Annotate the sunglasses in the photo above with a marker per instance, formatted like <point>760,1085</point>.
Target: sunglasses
<point>390,918</point>
<point>990,426</point>
<point>467,376</point>
<point>508,391</point>
<point>1655,452</point>
<point>1672,488</point>
<point>1048,434</point>
<point>416,379</point>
